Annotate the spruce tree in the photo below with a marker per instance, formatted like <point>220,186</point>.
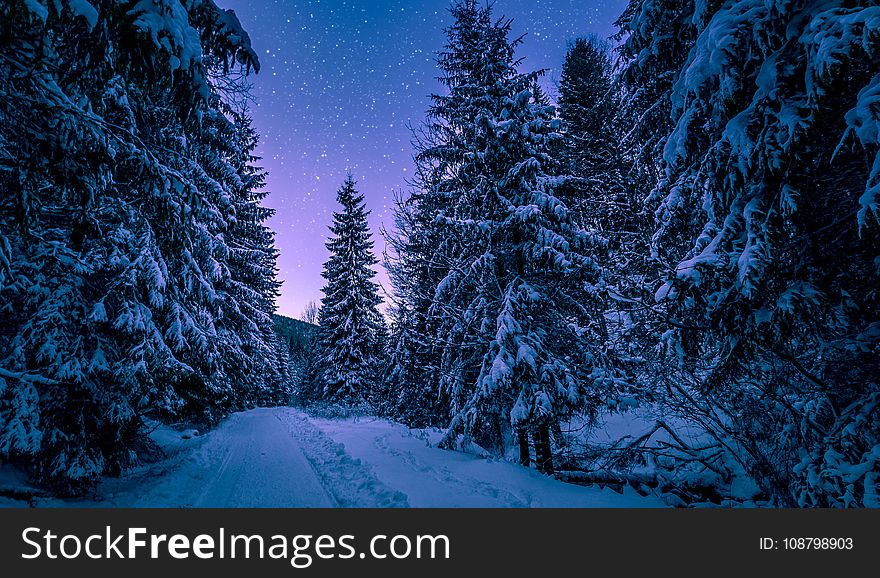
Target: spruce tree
<point>767,226</point>
<point>591,152</point>
<point>254,358</point>
<point>609,197</point>
<point>350,323</point>
<point>117,199</point>
<point>411,261</point>
<point>587,108</point>
<point>517,347</point>
<point>409,398</point>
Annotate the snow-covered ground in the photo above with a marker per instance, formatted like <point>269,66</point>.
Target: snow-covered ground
<point>280,457</point>
<point>409,461</point>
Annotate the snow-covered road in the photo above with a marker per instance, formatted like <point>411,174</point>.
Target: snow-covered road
<point>280,457</point>
<point>262,458</point>
<point>263,466</point>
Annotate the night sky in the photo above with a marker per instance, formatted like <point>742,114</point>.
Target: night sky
<point>341,81</point>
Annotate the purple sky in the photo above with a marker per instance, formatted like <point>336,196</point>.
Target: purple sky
<point>341,81</point>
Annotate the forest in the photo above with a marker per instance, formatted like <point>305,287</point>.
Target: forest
<point>684,234</point>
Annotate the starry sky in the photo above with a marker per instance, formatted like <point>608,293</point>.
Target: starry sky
<point>341,83</point>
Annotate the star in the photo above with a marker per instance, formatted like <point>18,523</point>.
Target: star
<point>341,83</point>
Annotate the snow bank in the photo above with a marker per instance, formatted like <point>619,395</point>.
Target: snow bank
<point>349,480</point>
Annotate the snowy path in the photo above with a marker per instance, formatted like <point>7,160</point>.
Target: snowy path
<point>264,467</point>
<point>279,457</point>
<point>263,458</point>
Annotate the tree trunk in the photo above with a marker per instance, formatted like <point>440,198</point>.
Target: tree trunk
<point>543,454</point>
<point>524,458</point>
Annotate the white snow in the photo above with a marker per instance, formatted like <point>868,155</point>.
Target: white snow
<point>279,457</point>
<point>37,8</point>
<point>85,9</point>
<point>409,461</point>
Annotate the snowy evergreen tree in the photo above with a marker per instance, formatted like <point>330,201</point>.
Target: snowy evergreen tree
<point>587,107</point>
<point>517,345</point>
<point>413,373</point>
<point>408,397</point>
<point>767,222</point>
<point>254,358</point>
<point>647,77</point>
<point>118,195</point>
<point>590,108</point>
<point>609,194</point>
<point>351,326</point>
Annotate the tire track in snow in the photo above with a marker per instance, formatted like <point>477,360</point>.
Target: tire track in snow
<point>262,466</point>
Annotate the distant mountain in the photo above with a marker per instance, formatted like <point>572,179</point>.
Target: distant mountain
<point>297,334</point>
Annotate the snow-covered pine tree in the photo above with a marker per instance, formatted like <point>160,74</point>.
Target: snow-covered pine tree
<point>768,220</point>
<point>115,199</point>
<point>587,107</point>
<point>183,236</point>
<point>350,322</point>
<point>413,374</point>
<point>408,398</point>
<point>518,345</point>
<point>253,359</point>
<point>609,198</point>
<point>646,77</point>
